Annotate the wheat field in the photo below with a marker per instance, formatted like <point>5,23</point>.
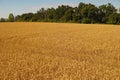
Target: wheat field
<point>59,51</point>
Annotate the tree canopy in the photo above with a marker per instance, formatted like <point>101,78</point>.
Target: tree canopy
<point>11,17</point>
<point>83,13</point>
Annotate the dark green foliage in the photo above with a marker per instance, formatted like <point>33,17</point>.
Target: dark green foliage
<point>2,20</point>
<point>84,13</point>
<point>27,17</point>
<point>114,18</point>
<point>77,15</point>
<point>68,16</point>
<point>86,20</point>
<point>105,11</point>
<point>90,13</point>
<point>51,14</point>
<point>11,17</point>
<point>18,18</point>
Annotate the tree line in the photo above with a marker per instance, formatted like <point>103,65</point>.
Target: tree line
<point>83,13</point>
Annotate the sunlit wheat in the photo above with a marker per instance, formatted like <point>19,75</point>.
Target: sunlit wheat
<point>58,51</point>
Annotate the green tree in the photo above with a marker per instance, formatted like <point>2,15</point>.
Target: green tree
<point>105,11</point>
<point>76,15</point>
<point>27,17</point>
<point>51,13</point>
<point>11,17</point>
<point>2,20</point>
<point>18,18</point>
<point>68,16</point>
<point>89,11</point>
<point>83,13</point>
<point>60,11</point>
<point>86,20</point>
<point>41,14</point>
<point>114,18</point>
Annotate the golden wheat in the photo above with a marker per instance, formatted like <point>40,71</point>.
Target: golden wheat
<point>58,51</point>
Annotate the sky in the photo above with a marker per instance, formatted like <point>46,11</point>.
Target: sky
<point>18,7</point>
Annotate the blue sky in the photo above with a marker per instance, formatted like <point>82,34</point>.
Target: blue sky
<point>24,6</point>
